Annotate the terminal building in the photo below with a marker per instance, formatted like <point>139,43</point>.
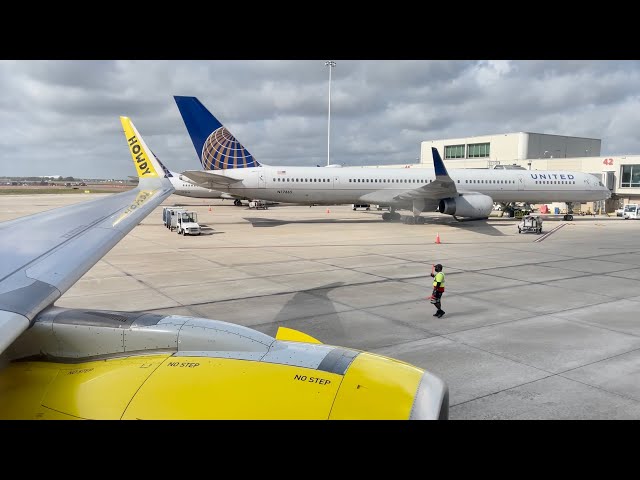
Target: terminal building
<point>539,151</point>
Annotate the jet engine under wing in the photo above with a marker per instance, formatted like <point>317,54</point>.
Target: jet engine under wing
<point>43,255</point>
<point>209,179</point>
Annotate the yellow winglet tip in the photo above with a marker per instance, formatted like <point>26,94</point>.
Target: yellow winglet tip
<point>291,335</point>
<point>140,153</point>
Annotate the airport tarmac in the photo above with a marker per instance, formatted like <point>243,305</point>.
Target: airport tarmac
<point>536,327</point>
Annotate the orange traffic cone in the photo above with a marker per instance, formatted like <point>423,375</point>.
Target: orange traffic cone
<point>328,211</point>
<point>437,238</point>
<point>209,207</point>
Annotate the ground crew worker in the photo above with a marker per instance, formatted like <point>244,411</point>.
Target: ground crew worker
<point>438,289</point>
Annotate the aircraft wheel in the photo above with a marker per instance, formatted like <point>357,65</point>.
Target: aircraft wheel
<point>386,216</point>
<point>410,220</point>
<point>396,216</point>
<point>420,220</point>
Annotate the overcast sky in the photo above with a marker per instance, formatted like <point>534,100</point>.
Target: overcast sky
<point>62,117</point>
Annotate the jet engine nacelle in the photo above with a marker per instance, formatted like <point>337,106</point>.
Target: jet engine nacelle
<point>471,206</point>
<point>234,372</point>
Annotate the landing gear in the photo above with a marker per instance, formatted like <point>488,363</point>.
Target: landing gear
<point>508,209</point>
<point>569,216</point>
<point>391,215</point>
<point>237,202</point>
<point>412,220</point>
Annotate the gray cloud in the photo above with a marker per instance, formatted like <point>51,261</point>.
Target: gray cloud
<point>61,117</point>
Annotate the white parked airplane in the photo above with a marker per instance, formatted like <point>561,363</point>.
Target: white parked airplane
<point>466,193</point>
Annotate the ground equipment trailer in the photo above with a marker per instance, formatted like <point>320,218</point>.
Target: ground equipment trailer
<point>530,223</point>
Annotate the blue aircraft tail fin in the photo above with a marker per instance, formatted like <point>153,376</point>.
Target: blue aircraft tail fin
<point>438,164</point>
<point>217,149</point>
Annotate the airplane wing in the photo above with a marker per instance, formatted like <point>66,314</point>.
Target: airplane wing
<point>442,187</point>
<point>208,179</point>
<point>43,255</point>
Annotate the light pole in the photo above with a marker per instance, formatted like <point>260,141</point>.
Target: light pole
<point>330,64</point>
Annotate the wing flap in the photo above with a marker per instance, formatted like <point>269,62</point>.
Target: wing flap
<point>432,191</point>
<point>208,179</point>
<point>435,190</point>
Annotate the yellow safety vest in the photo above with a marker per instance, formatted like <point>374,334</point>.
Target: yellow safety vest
<point>439,278</point>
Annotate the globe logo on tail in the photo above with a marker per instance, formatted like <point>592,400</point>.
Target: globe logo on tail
<point>221,151</point>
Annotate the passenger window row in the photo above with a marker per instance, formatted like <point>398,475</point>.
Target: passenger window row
<point>564,182</point>
<point>412,180</point>
<point>354,180</point>
<point>489,181</point>
<point>310,180</point>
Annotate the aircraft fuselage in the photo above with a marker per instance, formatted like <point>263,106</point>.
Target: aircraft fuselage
<point>349,184</point>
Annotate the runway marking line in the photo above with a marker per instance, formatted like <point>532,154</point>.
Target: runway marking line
<point>539,239</point>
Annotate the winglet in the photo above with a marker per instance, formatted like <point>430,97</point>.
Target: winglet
<point>143,158</point>
<point>438,164</point>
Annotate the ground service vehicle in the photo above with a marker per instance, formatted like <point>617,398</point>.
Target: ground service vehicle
<point>530,223</point>
<point>631,211</point>
<point>187,223</point>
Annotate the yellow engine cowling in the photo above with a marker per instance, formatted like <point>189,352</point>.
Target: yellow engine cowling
<point>192,387</point>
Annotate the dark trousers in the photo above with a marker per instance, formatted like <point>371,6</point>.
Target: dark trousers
<point>437,296</point>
